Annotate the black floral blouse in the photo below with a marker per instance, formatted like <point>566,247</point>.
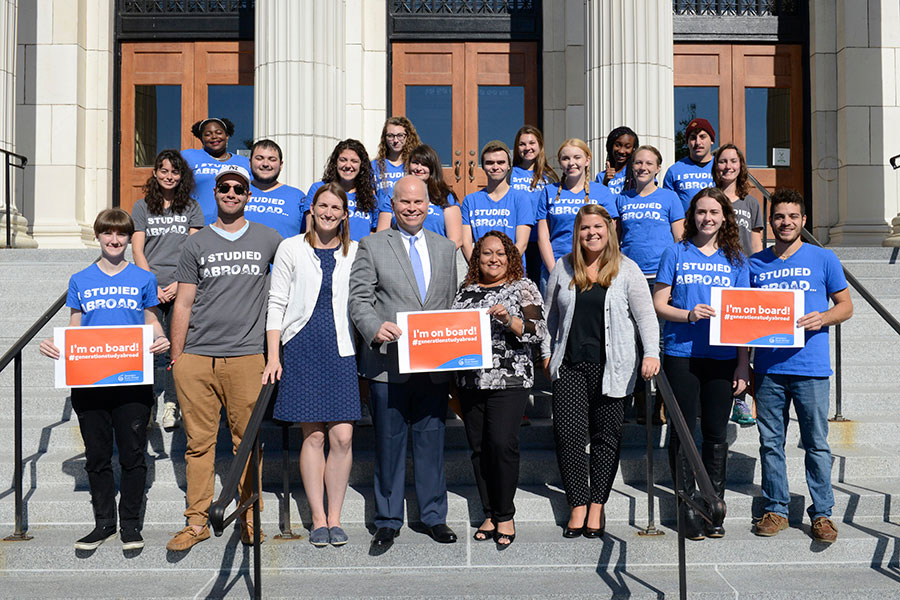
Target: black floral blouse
<point>513,365</point>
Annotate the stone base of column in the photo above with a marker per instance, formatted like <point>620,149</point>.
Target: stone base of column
<point>59,236</point>
<point>858,234</point>
<point>19,232</point>
<point>893,240</point>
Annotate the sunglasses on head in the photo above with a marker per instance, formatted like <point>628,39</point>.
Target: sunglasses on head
<point>224,188</point>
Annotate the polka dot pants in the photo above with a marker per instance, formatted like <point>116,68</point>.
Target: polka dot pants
<point>582,415</point>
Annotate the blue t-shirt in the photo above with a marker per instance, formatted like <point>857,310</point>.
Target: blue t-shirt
<point>520,180</point>
<point>278,208</point>
<point>434,220</point>
<point>361,223</point>
<point>615,184</point>
<point>691,273</point>
<point>560,213</point>
<point>118,299</point>
<point>647,225</point>
<point>483,214</point>
<point>205,169</point>
<point>686,178</point>
<point>391,175</point>
<point>816,271</point>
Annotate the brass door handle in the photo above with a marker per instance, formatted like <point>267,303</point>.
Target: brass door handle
<point>456,166</point>
<point>471,171</point>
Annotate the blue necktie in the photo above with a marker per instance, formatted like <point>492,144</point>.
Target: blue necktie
<point>416,261</point>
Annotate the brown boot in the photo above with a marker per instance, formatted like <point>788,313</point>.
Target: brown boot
<point>770,524</point>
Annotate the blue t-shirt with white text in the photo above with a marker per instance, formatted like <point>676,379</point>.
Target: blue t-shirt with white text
<point>118,299</point>
<point>362,223</point>
<point>483,214</point>
<point>646,225</point>
<point>691,275</point>
<point>205,168</point>
<point>520,180</point>
<point>278,208</point>
<point>434,220</point>
<point>816,271</point>
<point>615,184</point>
<point>686,178</point>
<point>385,180</point>
<point>560,212</point>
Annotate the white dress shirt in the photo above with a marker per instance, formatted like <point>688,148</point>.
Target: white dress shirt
<point>422,247</point>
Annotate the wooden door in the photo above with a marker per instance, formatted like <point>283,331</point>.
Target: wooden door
<point>165,88</point>
<point>461,95</point>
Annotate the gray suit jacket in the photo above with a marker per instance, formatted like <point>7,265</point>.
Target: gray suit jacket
<point>382,284</point>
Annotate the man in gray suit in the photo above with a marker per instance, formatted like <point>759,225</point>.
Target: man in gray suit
<point>397,270</point>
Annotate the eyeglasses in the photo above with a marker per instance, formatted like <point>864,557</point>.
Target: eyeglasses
<point>395,136</point>
<point>224,188</point>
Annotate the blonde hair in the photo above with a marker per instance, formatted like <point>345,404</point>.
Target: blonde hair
<point>581,145</point>
<point>338,190</point>
<point>610,257</point>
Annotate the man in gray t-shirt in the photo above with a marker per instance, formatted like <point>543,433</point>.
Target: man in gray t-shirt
<point>218,332</point>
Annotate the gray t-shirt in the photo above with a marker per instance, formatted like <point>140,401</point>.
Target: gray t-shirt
<point>228,317</point>
<point>165,235</point>
<point>747,213</point>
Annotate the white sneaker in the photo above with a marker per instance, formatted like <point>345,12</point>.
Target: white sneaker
<point>169,415</point>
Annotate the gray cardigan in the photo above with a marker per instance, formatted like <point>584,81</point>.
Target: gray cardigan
<point>628,311</point>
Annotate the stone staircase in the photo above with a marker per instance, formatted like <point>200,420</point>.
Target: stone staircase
<point>864,563</point>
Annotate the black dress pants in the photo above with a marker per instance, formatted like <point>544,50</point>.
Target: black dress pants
<point>492,419</point>
<point>105,413</point>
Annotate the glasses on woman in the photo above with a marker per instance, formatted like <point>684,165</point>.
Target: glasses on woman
<point>395,136</point>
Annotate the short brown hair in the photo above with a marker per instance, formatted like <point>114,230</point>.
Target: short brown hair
<point>113,219</point>
<point>786,196</point>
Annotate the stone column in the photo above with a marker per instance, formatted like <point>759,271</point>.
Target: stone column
<point>629,70</point>
<point>563,55</point>
<point>299,92</point>
<point>20,237</point>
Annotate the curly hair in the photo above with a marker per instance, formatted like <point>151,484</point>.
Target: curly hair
<point>197,128</point>
<point>153,194</point>
<point>542,169</point>
<point>610,258</point>
<point>438,190</point>
<point>786,196</point>
<point>514,268</point>
<point>611,142</point>
<point>742,185</point>
<point>728,237</point>
<point>412,141</point>
<point>364,181</point>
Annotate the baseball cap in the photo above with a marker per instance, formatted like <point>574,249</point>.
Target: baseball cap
<point>233,170</point>
<point>700,124</point>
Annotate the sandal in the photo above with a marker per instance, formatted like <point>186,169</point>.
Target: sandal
<point>506,538</point>
<point>486,534</point>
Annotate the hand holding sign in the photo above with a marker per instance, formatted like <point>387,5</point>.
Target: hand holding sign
<point>759,317</point>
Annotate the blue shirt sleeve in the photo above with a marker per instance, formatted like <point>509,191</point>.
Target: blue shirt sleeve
<point>543,203</point>
<point>667,263</point>
<point>835,281</point>
<point>606,200</point>
<point>467,203</point>
<point>669,180</point>
<point>72,300</point>
<point>742,277</point>
<point>676,209</point>
<point>148,296</point>
<point>451,200</point>
<point>524,211</point>
<point>384,202</point>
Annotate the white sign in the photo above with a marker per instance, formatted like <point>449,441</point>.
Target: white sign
<point>781,157</point>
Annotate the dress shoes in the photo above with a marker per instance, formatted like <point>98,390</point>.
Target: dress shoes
<point>442,534</point>
<point>384,537</point>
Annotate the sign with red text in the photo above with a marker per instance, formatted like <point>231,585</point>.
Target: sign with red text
<point>763,318</point>
<point>444,340</point>
<point>103,356</point>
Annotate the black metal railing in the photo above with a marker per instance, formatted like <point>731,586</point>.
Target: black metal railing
<point>247,450</point>
<point>855,284</point>
<point>14,355</point>
<point>9,159</point>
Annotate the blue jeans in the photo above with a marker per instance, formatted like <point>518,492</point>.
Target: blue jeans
<point>774,394</point>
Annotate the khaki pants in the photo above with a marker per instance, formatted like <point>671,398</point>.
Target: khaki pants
<point>205,384</point>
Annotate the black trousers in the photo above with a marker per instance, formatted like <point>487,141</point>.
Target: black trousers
<point>702,387</point>
<point>122,413</point>
<point>492,419</point>
<point>582,415</point>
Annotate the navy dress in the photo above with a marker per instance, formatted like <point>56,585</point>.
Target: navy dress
<point>317,384</point>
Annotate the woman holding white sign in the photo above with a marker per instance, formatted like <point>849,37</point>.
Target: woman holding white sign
<point>113,292</point>
<point>597,301</point>
<point>319,388</point>
<point>493,400</point>
<point>704,378</point>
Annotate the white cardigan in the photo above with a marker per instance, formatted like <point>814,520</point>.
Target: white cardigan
<point>294,289</point>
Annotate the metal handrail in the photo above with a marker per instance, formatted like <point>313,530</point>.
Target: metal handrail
<point>860,289</point>
<point>23,160</point>
<point>247,450</point>
<point>14,354</point>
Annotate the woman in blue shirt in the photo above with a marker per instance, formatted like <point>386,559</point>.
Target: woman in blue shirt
<point>113,292</point>
<point>213,133</point>
<point>529,175</point>
<point>704,377</point>
<point>349,166</point>
<point>398,138</point>
<point>620,145</point>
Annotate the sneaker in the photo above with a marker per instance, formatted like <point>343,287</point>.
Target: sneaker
<point>131,538</point>
<point>187,538</point>
<point>770,524</point>
<point>823,530</point>
<point>169,418</point>
<point>742,415</point>
<point>93,540</point>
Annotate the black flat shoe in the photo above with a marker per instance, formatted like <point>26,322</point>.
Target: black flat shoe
<point>384,537</point>
<point>442,534</point>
